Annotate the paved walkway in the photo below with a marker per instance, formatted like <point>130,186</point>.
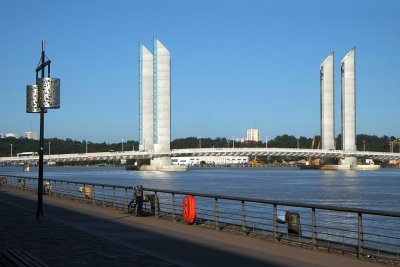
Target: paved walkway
<point>78,234</point>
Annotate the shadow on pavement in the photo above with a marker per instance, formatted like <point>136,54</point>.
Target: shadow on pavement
<point>65,237</point>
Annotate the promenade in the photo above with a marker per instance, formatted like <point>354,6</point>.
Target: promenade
<point>77,234</point>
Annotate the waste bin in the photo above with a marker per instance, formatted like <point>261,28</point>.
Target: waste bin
<point>293,223</point>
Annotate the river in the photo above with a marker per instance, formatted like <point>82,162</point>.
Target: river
<point>379,190</point>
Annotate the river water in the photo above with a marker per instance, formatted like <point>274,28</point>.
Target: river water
<point>379,190</point>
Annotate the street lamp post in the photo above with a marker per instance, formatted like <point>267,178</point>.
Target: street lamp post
<point>233,142</point>
<point>49,148</point>
<point>122,145</point>
<point>43,95</point>
<point>297,139</point>
<point>11,145</point>
<point>86,147</point>
<point>266,142</point>
<point>200,142</point>
<point>364,145</point>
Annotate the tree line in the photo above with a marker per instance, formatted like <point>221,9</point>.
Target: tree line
<point>66,146</point>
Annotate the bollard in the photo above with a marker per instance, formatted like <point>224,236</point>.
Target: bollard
<point>46,188</point>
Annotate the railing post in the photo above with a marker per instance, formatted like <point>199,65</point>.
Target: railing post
<point>114,197</point>
<point>84,195</point>
<point>68,192</point>
<point>243,217</point>
<point>93,195</point>
<point>76,193</point>
<point>126,198</point>
<point>275,218</point>
<point>157,204</point>
<point>360,250</point>
<point>173,206</point>
<point>314,229</point>
<point>216,213</point>
<point>104,196</point>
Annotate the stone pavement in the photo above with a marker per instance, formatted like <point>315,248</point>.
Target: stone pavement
<point>58,244</point>
<point>77,234</point>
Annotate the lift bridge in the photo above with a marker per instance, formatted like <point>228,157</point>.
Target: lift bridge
<point>282,152</point>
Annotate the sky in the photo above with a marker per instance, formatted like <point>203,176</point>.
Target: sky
<point>235,65</point>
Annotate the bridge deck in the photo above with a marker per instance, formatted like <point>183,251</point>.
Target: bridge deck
<point>73,233</point>
<point>282,152</point>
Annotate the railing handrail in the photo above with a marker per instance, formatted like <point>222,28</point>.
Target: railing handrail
<point>246,199</point>
<point>281,203</point>
<point>71,181</point>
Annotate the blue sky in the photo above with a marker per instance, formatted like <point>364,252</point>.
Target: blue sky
<point>235,64</point>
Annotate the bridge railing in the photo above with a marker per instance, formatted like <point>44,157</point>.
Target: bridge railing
<point>361,232</point>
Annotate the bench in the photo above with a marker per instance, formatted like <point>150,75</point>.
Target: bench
<point>18,258</point>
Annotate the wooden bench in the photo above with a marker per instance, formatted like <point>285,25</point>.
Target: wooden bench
<point>18,258</point>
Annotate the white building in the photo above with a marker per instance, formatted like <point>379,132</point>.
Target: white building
<point>214,160</point>
<point>11,135</point>
<point>31,135</point>
<point>253,135</point>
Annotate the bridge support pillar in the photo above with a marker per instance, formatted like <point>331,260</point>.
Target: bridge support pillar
<point>351,161</point>
<point>162,164</point>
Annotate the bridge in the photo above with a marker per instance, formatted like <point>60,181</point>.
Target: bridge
<point>282,152</point>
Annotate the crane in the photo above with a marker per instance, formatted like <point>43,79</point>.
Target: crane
<point>310,162</point>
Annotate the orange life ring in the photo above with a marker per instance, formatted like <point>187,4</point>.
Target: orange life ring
<point>189,209</point>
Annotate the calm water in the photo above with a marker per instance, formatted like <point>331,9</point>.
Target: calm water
<point>378,190</point>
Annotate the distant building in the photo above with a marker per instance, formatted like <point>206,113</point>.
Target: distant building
<point>31,135</point>
<point>253,135</point>
<point>11,135</point>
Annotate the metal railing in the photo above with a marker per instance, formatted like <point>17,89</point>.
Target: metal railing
<point>360,232</point>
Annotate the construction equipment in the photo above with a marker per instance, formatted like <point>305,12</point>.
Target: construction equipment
<point>254,162</point>
<point>312,163</point>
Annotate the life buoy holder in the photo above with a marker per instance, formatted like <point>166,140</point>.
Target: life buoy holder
<point>189,209</point>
